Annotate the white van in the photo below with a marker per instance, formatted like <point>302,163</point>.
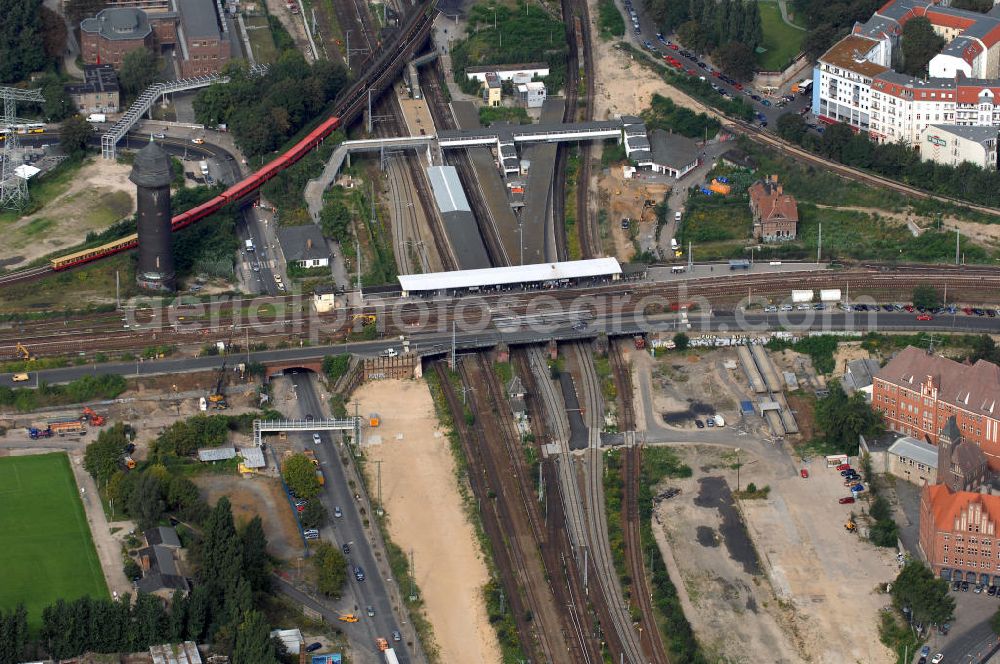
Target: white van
<point>249,245</point>
<point>673,244</point>
<point>677,216</point>
<point>97,118</point>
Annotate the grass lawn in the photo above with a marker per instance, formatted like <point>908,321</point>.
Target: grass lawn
<point>45,548</point>
<point>260,39</point>
<point>781,41</point>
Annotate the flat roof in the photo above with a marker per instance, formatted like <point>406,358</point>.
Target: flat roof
<point>918,450</point>
<point>198,18</point>
<point>253,457</point>
<point>496,276</point>
<point>849,53</point>
<point>447,188</point>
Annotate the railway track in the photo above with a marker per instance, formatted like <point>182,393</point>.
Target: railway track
<point>593,494</point>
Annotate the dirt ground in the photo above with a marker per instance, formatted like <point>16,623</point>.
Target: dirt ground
<point>98,196</point>
<point>624,87</point>
<point>425,509</point>
<point>779,596</point>
<point>623,199</point>
<point>257,496</point>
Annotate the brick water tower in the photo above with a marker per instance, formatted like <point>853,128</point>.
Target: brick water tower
<point>151,174</point>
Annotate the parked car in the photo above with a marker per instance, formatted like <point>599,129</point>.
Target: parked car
<point>346,549</point>
<point>858,488</point>
<point>804,473</point>
<point>925,317</point>
<point>844,466</point>
<point>337,512</point>
<point>956,585</point>
<point>699,424</point>
<point>978,589</point>
<point>709,422</point>
<point>965,586</point>
<point>846,472</point>
<point>938,658</point>
<point>313,647</point>
<point>846,501</point>
<point>371,611</point>
<point>925,651</point>
<point>991,591</point>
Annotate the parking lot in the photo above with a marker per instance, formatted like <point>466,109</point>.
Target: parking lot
<point>829,575</point>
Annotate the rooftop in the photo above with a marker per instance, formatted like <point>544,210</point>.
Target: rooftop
<point>97,78</point>
<point>303,243</point>
<point>498,276</point>
<point>216,453</point>
<point>162,535</point>
<point>448,192</point>
<point>976,134</point>
<point>918,450</point>
<point>522,66</point>
<point>253,457</point>
<point>199,19</point>
<point>850,53</point>
<point>118,24</point>
<point>974,388</point>
<point>947,505</point>
<point>671,149</point>
<point>860,373</point>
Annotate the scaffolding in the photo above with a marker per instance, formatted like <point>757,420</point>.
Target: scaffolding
<point>13,187</point>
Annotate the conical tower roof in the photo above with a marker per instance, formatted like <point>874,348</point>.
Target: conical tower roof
<point>151,167</point>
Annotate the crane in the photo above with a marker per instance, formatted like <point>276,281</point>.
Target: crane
<point>217,399</point>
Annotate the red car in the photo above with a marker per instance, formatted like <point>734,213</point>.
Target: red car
<point>846,501</point>
<point>717,73</point>
<point>844,466</point>
<point>691,72</point>
<point>909,308</point>
<point>804,473</point>
<point>967,311</point>
<point>925,317</point>
<point>738,86</point>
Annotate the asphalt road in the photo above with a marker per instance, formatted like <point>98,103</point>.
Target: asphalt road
<point>374,591</point>
<point>440,342</point>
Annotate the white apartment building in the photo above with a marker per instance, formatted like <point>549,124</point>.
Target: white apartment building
<point>845,77</point>
<point>952,145</point>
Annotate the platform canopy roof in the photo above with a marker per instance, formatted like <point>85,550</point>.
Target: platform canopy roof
<point>520,274</point>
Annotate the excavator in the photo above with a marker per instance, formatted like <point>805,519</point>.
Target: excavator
<point>23,350</point>
<point>366,319</point>
<point>92,418</point>
<point>217,399</point>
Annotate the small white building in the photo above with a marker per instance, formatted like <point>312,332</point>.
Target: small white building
<point>672,154</point>
<point>304,245</point>
<point>531,95</point>
<point>953,144</point>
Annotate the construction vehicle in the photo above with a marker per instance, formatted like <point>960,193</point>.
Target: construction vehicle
<point>366,319</point>
<point>217,400</point>
<point>374,420</point>
<point>850,526</point>
<point>92,418</point>
<point>23,350</point>
<point>382,644</point>
<point>319,477</point>
<point>128,461</point>
<point>348,618</point>
<point>35,433</point>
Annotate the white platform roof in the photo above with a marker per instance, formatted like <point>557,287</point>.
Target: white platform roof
<point>26,172</point>
<point>498,276</point>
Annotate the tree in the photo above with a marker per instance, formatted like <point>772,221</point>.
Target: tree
<point>791,127</point>
<point>21,46</point>
<point>984,348</point>
<point>77,10</point>
<point>102,458</point>
<point>926,297</point>
<point>256,563</point>
<point>736,59</point>
<point>300,476</point>
<point>54,33</point>
<point>335,366</point>
<point>691,35</point>
<point>314,515</point>
<point>681,341</point>
<point>335,220</point>
<point>995,622</point>
<point>920,44</point>
<point>75,133</point>
<point>13,635</point>
<point>331,566</point>
<point>132,570</point>
<point>835,139</point>
<point>146,504</point>
<point>139,69</point>
<point>843,419</point>
<point>253,641</point>
<point>925,596</point>
<point>57,105</point>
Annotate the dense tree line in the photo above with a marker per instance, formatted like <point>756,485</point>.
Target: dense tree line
<point>13,635</point>
<point>183,438</point>
<point>704,25</point>
<point>264,112</point>
<point>896,161</point>
<point>88,388</point>
<point>924,596</point>
<point>22,49</point>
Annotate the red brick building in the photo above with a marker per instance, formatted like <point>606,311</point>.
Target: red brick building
<point>775,213</point>
<point>198,36</point>
<point>917,392</point>
<point>958,534</point>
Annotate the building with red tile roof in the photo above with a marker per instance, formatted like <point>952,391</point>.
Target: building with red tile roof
<point>775,213</point>
<point>958,534</point>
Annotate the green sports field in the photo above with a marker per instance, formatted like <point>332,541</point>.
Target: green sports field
<point>782,42</point>
<point>45,547</point>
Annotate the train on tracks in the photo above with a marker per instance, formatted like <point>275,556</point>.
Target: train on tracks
<point>380,74</point>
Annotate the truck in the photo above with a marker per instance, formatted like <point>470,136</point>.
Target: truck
<point>390,656</point>
<point>799,296</point>
<point>68,425</point>
<point>35,433</point>
<point>249,246</point>
<point>673,244</point>
<point>829,295</point>
<point>97,118</point>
